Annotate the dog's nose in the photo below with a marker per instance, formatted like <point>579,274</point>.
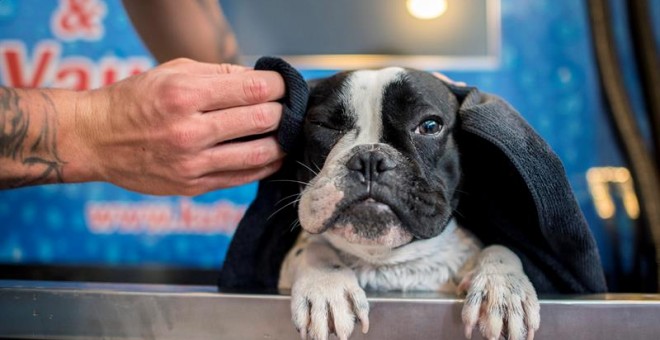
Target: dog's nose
<point>370,164</point>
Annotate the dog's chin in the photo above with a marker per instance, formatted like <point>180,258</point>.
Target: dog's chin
<point>392,237</point>
<point>370,223</point>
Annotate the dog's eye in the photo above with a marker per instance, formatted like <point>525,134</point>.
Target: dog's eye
<point>429,127</point>
<point>325,125</point>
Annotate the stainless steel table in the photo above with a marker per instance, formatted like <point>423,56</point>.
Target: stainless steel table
<point>74,310</point>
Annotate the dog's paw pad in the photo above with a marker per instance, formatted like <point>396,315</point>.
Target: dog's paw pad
<point>327,303</point>
<point>500,304</point>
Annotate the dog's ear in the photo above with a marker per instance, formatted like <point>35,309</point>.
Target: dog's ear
<point>311,83</point>
<point>515,193</point>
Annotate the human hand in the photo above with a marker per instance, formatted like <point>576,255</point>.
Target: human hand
<point>171,130</point>
<point>448,80</point>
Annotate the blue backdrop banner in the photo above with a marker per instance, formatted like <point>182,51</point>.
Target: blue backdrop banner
<point>84,44</point>
<point>546,70</point>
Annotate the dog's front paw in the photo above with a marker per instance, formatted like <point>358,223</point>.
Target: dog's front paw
<point>501,303</point>
<point>326,302</point>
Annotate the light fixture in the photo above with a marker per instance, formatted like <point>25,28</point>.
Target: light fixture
<point>606,182</point>
<point>426,9</point>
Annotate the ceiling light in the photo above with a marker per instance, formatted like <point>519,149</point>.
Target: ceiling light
<point>426,9</point>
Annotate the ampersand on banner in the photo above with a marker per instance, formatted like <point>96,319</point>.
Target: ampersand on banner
<point>79,19</point>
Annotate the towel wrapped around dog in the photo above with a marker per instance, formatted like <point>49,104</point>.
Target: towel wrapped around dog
<point>514,192</point>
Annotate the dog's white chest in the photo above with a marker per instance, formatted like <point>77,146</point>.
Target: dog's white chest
<point>426,265</point>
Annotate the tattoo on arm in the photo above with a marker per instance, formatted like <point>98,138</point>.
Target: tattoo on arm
<point>28,140</point>
<point>227,47</point>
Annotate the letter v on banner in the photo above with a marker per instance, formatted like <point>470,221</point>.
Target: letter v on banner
<point>18,70</point>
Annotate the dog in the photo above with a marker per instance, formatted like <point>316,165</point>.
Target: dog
<point>381,169</point>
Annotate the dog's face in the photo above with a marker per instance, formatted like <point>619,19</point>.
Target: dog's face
<point>383,141</point>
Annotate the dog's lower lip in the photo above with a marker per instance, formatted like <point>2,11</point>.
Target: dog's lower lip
<point>376,204</point>
<point>365,202</point>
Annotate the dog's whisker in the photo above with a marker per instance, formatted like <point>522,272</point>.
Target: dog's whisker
<point>282,208</point>
<point>284,198</point>
<point>307,167</point>
<point>458,213</point>
<point>290,180</point>
<point>316,166</point>
<point>461,191</point>
<point>294,225</point>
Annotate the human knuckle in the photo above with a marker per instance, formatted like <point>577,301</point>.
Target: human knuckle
<point>239,178</point>
<point>191,187</point>
<point>271,168</point>
<point>257,156</point>
<point>177,61</point>
<point>186,191</point>
<point>190,192</point>
<point>255,89</point>
<point>182,138</point>
<point>186,169</point>
<point>174,93</point>
<point>262,118</point>
<point>226,68</point>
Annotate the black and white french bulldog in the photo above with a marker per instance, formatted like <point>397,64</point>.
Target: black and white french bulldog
<point>382,172</point>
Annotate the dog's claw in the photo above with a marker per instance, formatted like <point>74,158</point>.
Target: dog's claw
<point>468,331</point>
<point>471,306</point>
<point>530,334</point>
<point>365,325</point>
<point>500,304</point>
<point>361,308</point>
<point>495,297</point>
<point>328,302</point>
<point>491,326</point>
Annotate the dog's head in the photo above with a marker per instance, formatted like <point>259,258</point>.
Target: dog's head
<point>382,142</point>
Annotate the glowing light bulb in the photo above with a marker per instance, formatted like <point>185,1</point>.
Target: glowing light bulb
<point>426,9</point>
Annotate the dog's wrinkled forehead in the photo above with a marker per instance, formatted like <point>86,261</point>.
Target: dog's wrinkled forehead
<point>363,99</point>
<point>363,95</point>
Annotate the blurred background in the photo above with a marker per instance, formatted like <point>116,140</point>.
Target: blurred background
<point>583,73</point>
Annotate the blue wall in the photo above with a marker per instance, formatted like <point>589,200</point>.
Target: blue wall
<point>547,72</point>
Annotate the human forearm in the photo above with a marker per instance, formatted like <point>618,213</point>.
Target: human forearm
<point>192,29</point>
<point>175,129</point>
<point>39,140</point>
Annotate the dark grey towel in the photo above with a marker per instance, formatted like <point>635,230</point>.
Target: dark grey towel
<point>293,103</point>
<point>514,193</point>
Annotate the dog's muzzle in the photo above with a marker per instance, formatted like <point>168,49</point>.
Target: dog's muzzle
<point>368,164</point>
<point>358,203</point>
